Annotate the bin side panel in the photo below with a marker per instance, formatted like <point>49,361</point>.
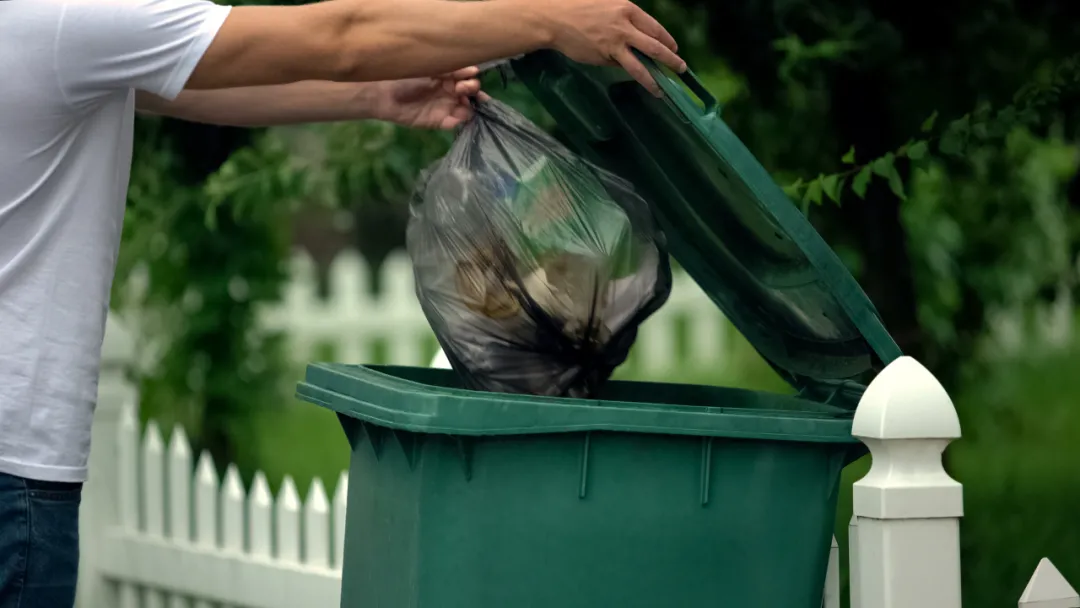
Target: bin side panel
<point>591,519</point>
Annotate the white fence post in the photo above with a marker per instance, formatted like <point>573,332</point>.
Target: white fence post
<point>99,505</point>
<point>1048,589</point>
<point>853,563</point>
<point>908,508</point>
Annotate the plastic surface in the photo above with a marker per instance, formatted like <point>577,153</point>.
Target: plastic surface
<point>435,402</point>
<point>533,267</point>
<point>663,495</point>
<point>727,222</point>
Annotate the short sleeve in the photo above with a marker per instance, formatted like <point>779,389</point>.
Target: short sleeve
<point>150,45</point>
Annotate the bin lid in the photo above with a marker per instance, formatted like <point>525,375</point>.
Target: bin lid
<point>729,225</point>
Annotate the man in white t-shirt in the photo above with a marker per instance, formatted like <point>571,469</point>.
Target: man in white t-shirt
<point>75,71</point>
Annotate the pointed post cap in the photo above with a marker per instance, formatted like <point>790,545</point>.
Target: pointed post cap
<point>1048,589</point>
<point>906,401</point>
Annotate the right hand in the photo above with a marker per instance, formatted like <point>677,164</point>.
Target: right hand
<point>603,32</point>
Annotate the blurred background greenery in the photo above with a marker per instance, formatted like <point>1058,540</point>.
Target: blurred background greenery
<point>933,144</point>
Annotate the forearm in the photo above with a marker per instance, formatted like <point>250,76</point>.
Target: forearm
<point>267,106</point>
<point>390,39</point>
<point>366,40</point>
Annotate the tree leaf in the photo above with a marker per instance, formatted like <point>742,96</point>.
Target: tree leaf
<point>849,157</point>
<point>861,182</point>
<point>883,165</point>
<point>952,143</point>
<point>896,184</point>
<point>813,193</point>
<point>917,150</point>
<point>792,190</point>
<point>928,124</point>
<point>831,186</point>
<point>962,125</point>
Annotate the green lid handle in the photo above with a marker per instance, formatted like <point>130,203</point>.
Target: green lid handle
<point>691,80</point>
<point>688,78</point>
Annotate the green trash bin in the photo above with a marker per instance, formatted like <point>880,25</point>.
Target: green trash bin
<point>653,495</point>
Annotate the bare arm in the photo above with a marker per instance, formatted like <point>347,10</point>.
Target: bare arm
<point>371,40</point>
<point>270,105</point>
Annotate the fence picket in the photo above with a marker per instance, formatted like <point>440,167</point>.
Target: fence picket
<point>206,489</point>
<point>260,519</point>
<point>153,479</point>
<point>128,595</point>
<point>1048,589</point>
<point>179,486</point>
<point>232,511</point>
<point>707,328</point>
<point>287,509</point>
<point>300,297</point>
<point>317,526</point>
<point>153,496</point>
<point>127,442</point>
<point>341,497</point>
<point>658,333</point>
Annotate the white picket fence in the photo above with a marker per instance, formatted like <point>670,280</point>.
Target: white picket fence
<point>352,324</point>
<point>353,321</point>
<point>161,531</point>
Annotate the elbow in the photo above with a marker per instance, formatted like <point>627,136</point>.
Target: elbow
<point>350,45</point>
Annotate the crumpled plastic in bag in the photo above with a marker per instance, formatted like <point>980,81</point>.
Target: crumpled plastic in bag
<point>533,266</point>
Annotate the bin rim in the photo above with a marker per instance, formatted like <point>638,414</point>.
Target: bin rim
<point>727,223</point>
<point>379,395</point>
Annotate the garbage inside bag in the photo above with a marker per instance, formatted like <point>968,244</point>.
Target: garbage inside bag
<point>533,267</point>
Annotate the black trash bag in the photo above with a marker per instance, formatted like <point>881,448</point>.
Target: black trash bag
<point>533,267</point>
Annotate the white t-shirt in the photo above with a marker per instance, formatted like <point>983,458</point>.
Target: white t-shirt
<point>69,70</point>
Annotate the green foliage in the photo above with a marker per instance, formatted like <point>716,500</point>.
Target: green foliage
<point>209,254</point>
<point>1001,230</point>
<point>1034,105</point>
<point>254,182</point>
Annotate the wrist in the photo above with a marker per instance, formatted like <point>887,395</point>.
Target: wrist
<point>538,24</point>
<point>368,101</point>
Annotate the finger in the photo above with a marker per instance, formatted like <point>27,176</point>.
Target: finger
<point>457,117</point>
<point>637,70</point>
<point>649,25</point>
<point>462,113</point>
<point>467,87</point>
<point>464,73</point>
<point>655,49</point>
<point>482,96</point>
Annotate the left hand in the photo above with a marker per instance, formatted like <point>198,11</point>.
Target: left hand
<point>430,103</point>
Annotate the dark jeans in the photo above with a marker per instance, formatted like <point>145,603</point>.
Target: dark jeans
<point>39,542</point>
